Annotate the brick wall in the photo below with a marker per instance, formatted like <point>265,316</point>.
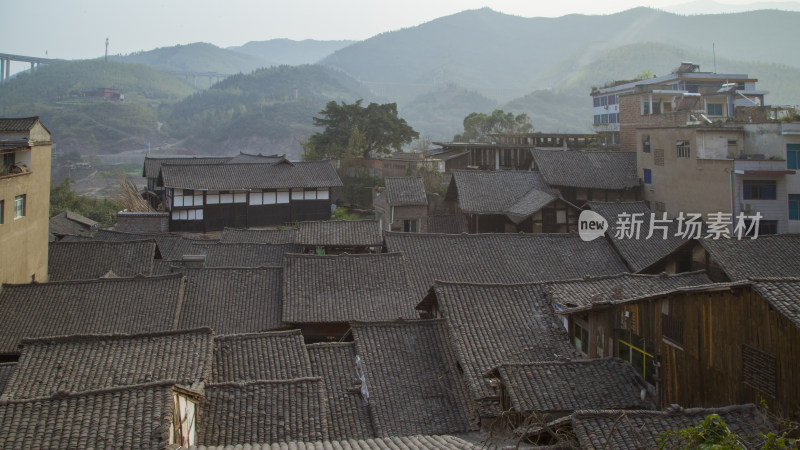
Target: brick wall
<point>630,117</point>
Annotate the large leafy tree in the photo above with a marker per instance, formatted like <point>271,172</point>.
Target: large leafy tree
<point>357,131</point>
<point>479,126</point>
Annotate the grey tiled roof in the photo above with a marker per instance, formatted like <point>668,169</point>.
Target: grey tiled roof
<point>529,204</point>
<point>113,305</point>
<point>577,295</point>
<point>88,260</point>
<point>6,371</point>
<point>73,364</point>
<point>405,191</point>
<point>448,223</point>
<point>152,165</point>
<point>344,288</point>
<point>766,256</point>
<point>278,355</point>
<point>494,324</point>
<point>395,442</point>
<point>72,223</point>
<point>415,386</point>
<point>245,158</point>
<point>130,417</point>
<point>232,300</point>
<point>639,252</point>
<point>641,429</point>
<point>17,125</point>
<point>348,416</point>
<point>168,243</point>
<point>263,411</point>
<point>340,233</point>
<point>541,387</point>
<point>252,236</point>
<point>306,174</point>
<point>783,294</point>
<point>239,255</point>
<point>501,258</point>
<point>496,192</point>
<point>589,169</point>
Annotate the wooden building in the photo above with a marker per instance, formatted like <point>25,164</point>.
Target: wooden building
<point>509,202</point>
<point>582,176</point>
<point>704,345</point>
<point>211,197</point>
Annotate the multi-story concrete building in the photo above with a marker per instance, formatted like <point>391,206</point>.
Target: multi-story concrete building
<point>684,95</point>
<point>727,168</point>
<point>24,199</point>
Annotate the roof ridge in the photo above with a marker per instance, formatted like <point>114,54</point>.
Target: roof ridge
<point>99,280</point>
<point>317,345</point>
<point>114,336</point>
<point>64,394</point>
<point>395,322</point>
<point>340,256</point>
<point>242,384</point>
<point>258,334</point>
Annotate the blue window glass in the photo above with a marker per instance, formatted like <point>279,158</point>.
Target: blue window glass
<point>794,206</point>
<point>793,156</point>
<point>648,176</point>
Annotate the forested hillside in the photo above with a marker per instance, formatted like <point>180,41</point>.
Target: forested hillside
<point>259,112</point>
<point>92,126</point>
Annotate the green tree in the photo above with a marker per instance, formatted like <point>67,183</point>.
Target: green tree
<point>63,198</point>
<point>353,130</point>
<point>479,126</point>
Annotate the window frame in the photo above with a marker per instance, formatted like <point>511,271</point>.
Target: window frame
<point>646,143</point>
<point>794,207</point>
<point>759,190</point>
<point>684,149</point>
<point>20,200</point>
<point>793,156</point>
<point>648,176</point>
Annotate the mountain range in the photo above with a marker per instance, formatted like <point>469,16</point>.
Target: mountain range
<point>437,73</point>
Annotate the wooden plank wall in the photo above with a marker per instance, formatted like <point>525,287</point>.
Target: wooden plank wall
<point>706,368</point>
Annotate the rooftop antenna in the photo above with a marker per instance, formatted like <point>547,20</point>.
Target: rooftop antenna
<point>106,49</point>
<point>714,52</point>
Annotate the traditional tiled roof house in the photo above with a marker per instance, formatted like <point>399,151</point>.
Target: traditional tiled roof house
<point>582,176</point>
<point>401,205</point>
<point>510,202</point>
<point>208,197</point>
<point>340,236</point>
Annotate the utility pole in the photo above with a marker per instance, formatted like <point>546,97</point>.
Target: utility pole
<point>106,49</point>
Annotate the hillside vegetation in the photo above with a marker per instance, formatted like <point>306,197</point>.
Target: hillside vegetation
<point>197,57</point>
<point>259,112</point>
<point>93,126</point>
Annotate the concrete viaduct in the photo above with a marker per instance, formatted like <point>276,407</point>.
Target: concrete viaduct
<point>5,63</point>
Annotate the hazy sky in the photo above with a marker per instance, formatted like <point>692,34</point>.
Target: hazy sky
<point>76,29</point>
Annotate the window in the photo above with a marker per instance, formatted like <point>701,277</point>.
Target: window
<point>714,109</point>
<point>794,207</point>
<point>646,143</point>
<point>322,194</point>
<point>297,194</point>
<point>597,119</point>
<point>310,194</point>
<point>19,206</point>
<point>648,176</point>
<point>255,198</point>
<point>684,149</point>
<point>9,159</point>
<point>672,328</point>
<point>759,189</point>
<point>612,99</point>
<point>410,226</point>
<point>283,196</point>
<point>596,102</point>
<point>767,227</point>
<point>581,339</point>
<point>793,156</point>
<point>645,108</point>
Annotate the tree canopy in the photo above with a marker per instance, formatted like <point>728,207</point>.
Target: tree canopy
<point>355,131</point>
<point>478,126</point>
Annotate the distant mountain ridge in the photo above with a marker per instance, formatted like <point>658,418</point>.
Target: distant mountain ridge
<point>504,57</point>
<point>287,51</point>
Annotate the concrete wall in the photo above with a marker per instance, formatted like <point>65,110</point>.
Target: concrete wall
<point>772,141</point>
<point>688,185</point>
<point>23,241</point>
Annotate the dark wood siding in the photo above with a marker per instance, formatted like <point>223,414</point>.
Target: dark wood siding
<point>706,368</point>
